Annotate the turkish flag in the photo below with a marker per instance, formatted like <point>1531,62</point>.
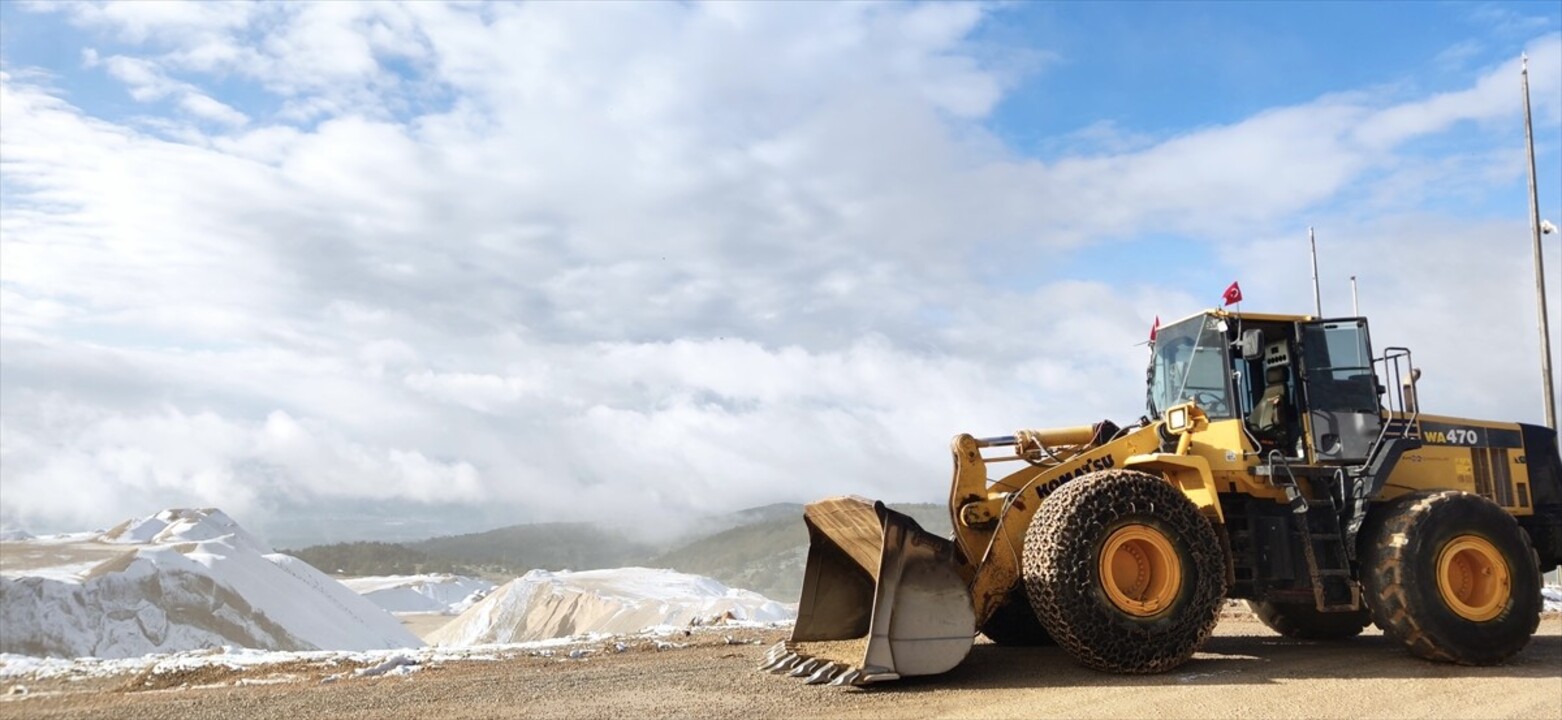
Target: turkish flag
<point>1233,294</point>
<point>1155,328</point>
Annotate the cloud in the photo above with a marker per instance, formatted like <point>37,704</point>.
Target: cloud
<point>1460,54</point>
<point>1495,95</point>
<point>1507,21</point>
<point>73,462</point>
<point>665,259</point>
<point>147,83</point>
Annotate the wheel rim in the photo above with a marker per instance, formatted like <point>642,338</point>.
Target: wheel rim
<point>1140,570</point>
<point>1473,578</point>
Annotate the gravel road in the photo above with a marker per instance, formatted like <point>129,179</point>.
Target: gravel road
<point>1244,671</point>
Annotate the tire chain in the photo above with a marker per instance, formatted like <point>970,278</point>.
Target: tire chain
<point>1062,585</point>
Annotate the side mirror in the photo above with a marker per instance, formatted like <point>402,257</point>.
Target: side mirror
<point>1252,344</point>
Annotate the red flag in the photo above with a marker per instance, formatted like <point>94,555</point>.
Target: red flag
<point>1155,328</point>
<point>1233,294</point>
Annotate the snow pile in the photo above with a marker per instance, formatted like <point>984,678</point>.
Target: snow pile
<point>438,593</point>
<point>1551,595</point>
<point>543,605</point>
<point>179,580</point>
<point>173,526</point>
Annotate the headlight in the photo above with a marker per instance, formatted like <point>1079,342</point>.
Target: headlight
<point>1177,419</point>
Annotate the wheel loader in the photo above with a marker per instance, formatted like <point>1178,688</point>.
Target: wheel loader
<point>1280,462</point>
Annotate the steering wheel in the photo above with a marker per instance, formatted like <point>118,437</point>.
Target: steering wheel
<point>1210,402</point>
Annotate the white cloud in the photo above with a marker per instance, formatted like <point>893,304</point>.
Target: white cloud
<point>81,464</point>
<point>147,83</point>
<point>205,107</point>
<point>664,258</point>
<point>160,20</point>
<point>1494,96</point>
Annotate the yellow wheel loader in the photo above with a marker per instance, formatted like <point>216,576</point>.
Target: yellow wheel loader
<point>1280,462</point>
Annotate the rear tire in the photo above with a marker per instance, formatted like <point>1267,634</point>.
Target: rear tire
<point>1124,572</point>
<point>1015,624</point>
<point>1302,621</point>
<point>1452,576</point>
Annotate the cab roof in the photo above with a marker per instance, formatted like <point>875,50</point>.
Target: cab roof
<point>1260,317</point>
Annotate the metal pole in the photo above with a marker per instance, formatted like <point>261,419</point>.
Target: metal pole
<point>1355,307</point>
<point>1317,299</point>
<point>1549,396</point>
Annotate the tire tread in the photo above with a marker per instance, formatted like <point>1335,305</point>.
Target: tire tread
<point>1400,607</point>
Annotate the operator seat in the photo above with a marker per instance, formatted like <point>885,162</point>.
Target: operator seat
<point>1269,417</point>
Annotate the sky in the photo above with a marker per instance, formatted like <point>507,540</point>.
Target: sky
<point>364,270</point>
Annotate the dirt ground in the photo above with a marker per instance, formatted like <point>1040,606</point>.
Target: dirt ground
<point>1244,671</point>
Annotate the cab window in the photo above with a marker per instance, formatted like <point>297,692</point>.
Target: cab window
<point>1190,364</point>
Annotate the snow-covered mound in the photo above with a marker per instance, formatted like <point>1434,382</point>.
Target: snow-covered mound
<point>450,594</point>
<point>174,526</point>
<point>543,605</point>
<point>179,580</point>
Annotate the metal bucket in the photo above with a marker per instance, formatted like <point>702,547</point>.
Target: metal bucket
<point>874,575</point>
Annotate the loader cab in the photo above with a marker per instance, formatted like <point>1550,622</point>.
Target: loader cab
<point>1302,387</point>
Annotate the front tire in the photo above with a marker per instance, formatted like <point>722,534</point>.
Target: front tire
<point>1302,621</point>
<point>1452,576</point>
<point>1124,572</point>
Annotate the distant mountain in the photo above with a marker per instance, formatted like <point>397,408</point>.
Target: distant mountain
<point>519,549</point>
<point>375,558</point>
<point>768,555</point>
<point>763,513</point>
<point>710,525</point>
<point>763,549</point>
<point>301,523</point>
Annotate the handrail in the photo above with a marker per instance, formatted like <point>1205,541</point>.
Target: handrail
<point>1391,359</point>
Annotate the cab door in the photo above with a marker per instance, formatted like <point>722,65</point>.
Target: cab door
<point>1340,390</point>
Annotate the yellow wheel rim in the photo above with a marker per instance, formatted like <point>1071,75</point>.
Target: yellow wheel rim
<point>1140,570</point>
<point>1473,578</point>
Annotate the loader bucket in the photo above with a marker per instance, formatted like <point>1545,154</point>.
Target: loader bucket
<point>882,599</point>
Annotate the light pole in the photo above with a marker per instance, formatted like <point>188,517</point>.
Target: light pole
<point>1540,273</point>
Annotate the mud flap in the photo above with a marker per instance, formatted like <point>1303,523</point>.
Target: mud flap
<point>875,574</point>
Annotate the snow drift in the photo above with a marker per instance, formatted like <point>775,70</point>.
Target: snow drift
<point>436,593</point>
<point>542,605</point>
<point>179,580</point>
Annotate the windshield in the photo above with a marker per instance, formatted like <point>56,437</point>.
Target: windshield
<point>1189,363</point>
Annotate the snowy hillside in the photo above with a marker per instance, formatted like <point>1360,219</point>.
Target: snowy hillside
<point>438,593</point>
<point>178,580</point>
<point>543,605</point>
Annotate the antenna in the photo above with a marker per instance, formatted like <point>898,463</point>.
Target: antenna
<point>1355,309</point>
<point>1317,299</point>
